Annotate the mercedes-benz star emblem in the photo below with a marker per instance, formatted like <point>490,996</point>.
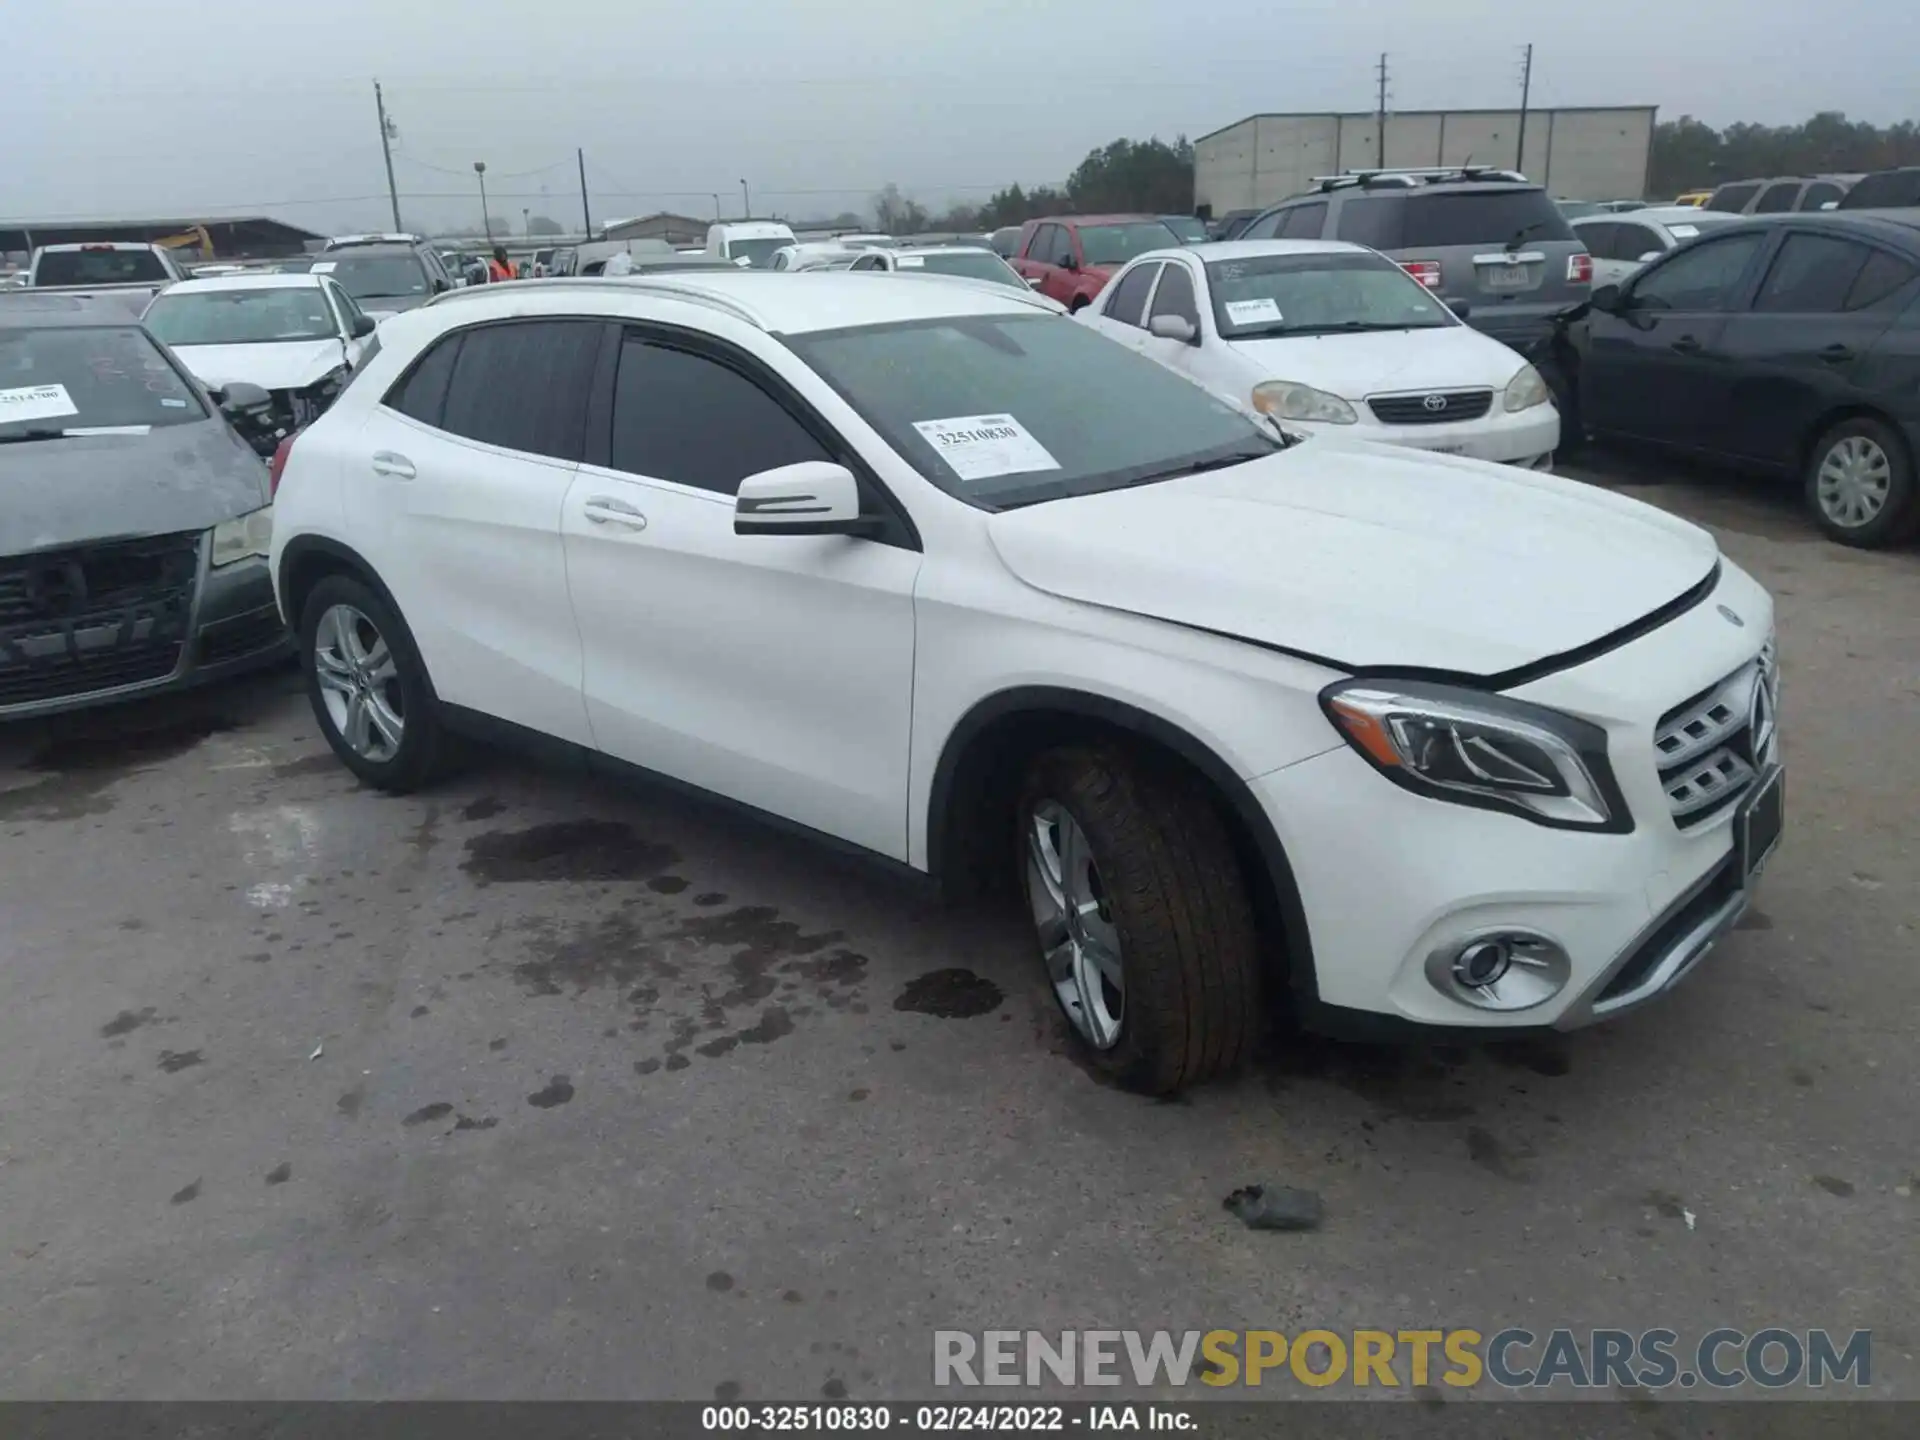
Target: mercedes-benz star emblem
<point>1731,617</point>
<point>1435,402</point>
<point>1760,718</point>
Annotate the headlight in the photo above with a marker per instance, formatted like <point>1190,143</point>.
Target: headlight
<point>1479,749</point>
<point>1527,390</point>
<point>242,538</point>
<point>1284,400</point>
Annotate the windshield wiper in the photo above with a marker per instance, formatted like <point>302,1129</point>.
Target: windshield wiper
<point>41,434</point>
<point>1200,467</point>
<point>1523,232</point>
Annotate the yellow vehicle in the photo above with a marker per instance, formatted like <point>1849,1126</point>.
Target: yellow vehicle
<point>196,240</point>
<point>1695,198</point>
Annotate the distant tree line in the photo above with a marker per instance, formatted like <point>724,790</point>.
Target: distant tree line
<point>1689,155</point>
<point>1126,175</point>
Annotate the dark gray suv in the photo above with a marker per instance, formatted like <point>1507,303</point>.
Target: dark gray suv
<point>1493,247</point>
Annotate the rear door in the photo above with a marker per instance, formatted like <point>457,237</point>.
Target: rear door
<point>1795,353</point>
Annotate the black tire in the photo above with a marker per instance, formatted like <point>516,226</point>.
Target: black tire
<point>425,750</point>
<point>1898,518</point>
<point>1179,904</point>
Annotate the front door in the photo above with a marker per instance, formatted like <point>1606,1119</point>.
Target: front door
<point>775,670</point>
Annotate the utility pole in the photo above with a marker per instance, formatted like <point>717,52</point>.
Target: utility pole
<point>1380,117</point>
<point>388,130</point>
<point>1526,88</point>
<point>586,215</point>
<point>716,205</point>
<point>746,200</point>
<point>486,220</point>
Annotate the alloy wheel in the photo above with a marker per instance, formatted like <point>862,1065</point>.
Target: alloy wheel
<point>1854,481</point>
<point>1078,940</point>
<point>359,683</point>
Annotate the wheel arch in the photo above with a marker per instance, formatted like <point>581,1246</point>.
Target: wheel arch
<point>976,779</point>
<point>309,559</point>
<point>1839,414</point>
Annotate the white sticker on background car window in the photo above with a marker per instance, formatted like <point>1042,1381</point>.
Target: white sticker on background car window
<point>324,267</point>
<point>1685,232</point>
<point>912,262</point>
<point>1253,312</point>
<point>36,402</point>
<point>979,447</point>
<point>173,404</point>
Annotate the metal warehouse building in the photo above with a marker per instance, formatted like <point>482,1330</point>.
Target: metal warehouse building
<point>1586,153</point>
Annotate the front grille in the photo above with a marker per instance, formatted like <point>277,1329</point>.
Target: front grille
<point>1440,407</point>
<point>1707,749</point>
<point>94,617</point>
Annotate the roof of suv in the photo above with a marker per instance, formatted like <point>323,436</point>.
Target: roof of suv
<point>1251,249</point>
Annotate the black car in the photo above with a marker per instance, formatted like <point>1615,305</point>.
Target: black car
<point>1789,345</point>
<point>134,534</point>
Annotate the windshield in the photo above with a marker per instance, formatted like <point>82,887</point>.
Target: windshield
<point>1007,410</point>
<point>1303,294</point>
<point>99,267</point>
<point>1188,230</point>
<point>1479,217</point>
<point>378,277</point>
<point>980,264</point>
<point>67,379</point>
<point>242,317</point>
<point>758,253</point>
<point>1117,244</point>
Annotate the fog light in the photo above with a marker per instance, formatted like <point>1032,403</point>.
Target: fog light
<point>1507,969</point>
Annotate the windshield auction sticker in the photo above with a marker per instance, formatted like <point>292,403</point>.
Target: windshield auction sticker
<point>980,447</point>
<point>1253,312</point>
<point>36,402</point>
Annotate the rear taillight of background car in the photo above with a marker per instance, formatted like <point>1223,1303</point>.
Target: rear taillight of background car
<point>1427,272</point>
<point>278,465</point>
<point>1580,268</point>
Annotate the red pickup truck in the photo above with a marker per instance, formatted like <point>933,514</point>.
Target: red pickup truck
<point>1072,256</point>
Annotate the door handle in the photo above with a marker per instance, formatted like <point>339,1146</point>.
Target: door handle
<point>386,462</point>
<point>1837,354</point>
<point>1686,345</point>
<point>607,510</point>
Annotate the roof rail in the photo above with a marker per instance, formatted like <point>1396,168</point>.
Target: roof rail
<point>607,285</point>
<point>1407,175</point>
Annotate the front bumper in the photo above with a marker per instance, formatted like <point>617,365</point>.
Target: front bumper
<point>1389,880</point>
<point>231,624</point>
<point>1526,438</point>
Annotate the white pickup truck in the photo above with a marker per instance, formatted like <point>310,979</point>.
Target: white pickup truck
<point>127,274</point>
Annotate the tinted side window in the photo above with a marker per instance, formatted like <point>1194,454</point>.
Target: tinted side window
<point>1175,296</point>
<point>1371,220</point>
<point>1811,275</point>
<point>683,417</point>
<point>1705,277</point>
<point>1130,295</point>
<point>1733,198</point>
<point>1777,199</point>
<point>1882,277</point>
<point>1819,193</point>
<point>1630,242</point>
<point>421,393</point>
<point>1266,227</point>
<point>1303,222</point>
<point>1600,237</point>
<point>1889,189</point>
<point>523,386</point>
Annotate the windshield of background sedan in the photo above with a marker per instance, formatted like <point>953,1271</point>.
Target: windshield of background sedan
<point>99,267</point>
<point>1008,410</point>
<point>242,317</point>
<point>1318,294</point>
<point>74,379</point>
<point>380,277</point>
<point>1117,244</point>
<point>758,253</point>
<point>979,264</point>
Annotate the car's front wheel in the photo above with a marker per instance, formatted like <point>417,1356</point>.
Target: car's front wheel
<point>1860,484</point>
<point>368,686</point>
<point>1145,925</point>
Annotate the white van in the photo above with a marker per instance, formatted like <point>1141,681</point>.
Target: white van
<point>753,241</point>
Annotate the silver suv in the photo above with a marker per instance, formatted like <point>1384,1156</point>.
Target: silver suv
<point>1493,247</point>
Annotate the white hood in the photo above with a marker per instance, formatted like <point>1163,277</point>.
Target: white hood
<point>1367,555</point>
<point>1453,357</point>
<point>282,365</point>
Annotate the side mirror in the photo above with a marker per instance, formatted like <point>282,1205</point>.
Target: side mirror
<point>1069,263</point>
<point>1608,300</point>
<point>240,395</point>
<point>1174,327</point>
<point>440,287</point>
<point>815,497</point>
<point>363,326</point>
<point>1461,308</point>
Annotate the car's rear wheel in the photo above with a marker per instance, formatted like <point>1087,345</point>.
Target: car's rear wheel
<point>368,686</point>
<point>1860,484</point>
<point>1145,925</point>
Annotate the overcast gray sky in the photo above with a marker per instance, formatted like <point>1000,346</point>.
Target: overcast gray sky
<point>114,108</point>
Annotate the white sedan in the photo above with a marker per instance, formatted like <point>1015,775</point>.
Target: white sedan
<point>1621,244</point>
<point>1333,338</point>
<point>298,337</point>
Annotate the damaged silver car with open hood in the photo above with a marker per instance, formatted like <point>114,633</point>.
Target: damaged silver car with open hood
<point>134,519</point>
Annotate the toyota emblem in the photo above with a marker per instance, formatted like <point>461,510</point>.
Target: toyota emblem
<point>1434,403</point>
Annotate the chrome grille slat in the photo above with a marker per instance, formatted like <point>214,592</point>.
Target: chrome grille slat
<point>1703,748</point>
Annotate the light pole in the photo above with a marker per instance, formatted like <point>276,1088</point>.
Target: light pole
<point>746,200</point>
<point>716,204</point>
<point>526,221</point>
<point>486,220</point>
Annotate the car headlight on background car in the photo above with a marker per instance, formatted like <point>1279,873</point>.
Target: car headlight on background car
<point>242,538</point>
<point>1471,748</point>
<point>1527,389</point>
<point>1285,400</point>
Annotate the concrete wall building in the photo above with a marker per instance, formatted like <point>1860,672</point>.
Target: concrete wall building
<point>674,229</point>
<point>1599,153</point>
